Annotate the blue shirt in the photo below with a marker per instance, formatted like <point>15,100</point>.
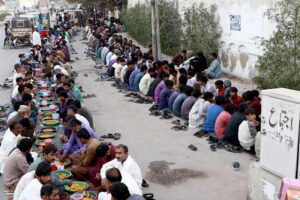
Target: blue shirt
<point>164,98</point>
<point>137,81</point>
<point>212,114</point>
<point>172,99</point>
<point>178,103</point>
<point>131,79</point>
<point>214,70</point>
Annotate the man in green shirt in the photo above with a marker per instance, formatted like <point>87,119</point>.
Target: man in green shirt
<point>49,156</point>
<point>75,90</point>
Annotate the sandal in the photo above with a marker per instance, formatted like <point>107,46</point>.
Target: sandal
<point>117,136</point>
<point>183,128</point>
<point>213,147</point>
<point>148,196</point>
<point>192,147</point>
<point>176,128</point>
<point>176,122</point>
<point>145,184</point>
<point>109,135</point>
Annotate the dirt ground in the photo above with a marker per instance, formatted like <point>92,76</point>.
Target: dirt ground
<point>187,175</point>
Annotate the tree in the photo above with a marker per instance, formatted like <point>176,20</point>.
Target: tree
<point>279,65</point>
<point>201,29</point>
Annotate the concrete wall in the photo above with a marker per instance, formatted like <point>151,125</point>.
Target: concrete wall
<point>238,51</point>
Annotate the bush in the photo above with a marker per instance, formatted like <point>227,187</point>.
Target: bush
<point>201,29</point>
<point>3,15</point>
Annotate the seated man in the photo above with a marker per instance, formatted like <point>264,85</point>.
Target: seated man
<point>75,90</point>
<point>146,81</point>
<point>64,102</point>
<point>9,142</point>
<point>49,192</point>
<point>130,69</point>
<point>198,113</point>
<point>74,144</point>
<point>223,119</point>
<point>132,77</point>
<point>234,97</point>
<point>16,165</point>
<point>188,104</point>
<point>206,87</point>
<point>231,131</point>
<point>180,99</point>
<point>26,178</point>
<point>160,87</point>
<point>247,131</point>
<point>84,111</point>
<point>214,70</point>
<point>220,86</point>
<point>105,153</point>
<point>24,111</point>
<point>124,163</point>
<point>68,89</point>
<point>165,94</point>
<point>49,156</point>
<point>72,110</point>
<point>212,114</point>
<point>113,175</point>
<point>174,95</point>
<point>82,162</point>
<point>42,177</point>
<point>138,78</point>
<point>121,191</point>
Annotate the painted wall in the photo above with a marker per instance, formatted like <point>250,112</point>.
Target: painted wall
<point>238,49</point>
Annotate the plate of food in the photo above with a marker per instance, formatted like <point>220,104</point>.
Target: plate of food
<point>47,118</point>
<point>67,162</point>
<point>46,99</point>
<point>50,122</point>
<point>46,135</point>
<point>47,130</point>
<point>89,195</point>
<point>40,143</point>
<point>63,174</point>
<point>47,113</point>
<point>77,186</point>
<point>45,108</point>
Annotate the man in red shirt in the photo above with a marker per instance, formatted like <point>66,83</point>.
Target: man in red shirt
<point>220,86</point>
<point>43,32</point>
<point>234,97</point>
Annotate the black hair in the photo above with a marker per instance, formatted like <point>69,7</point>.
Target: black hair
<point>191,73</point>
<point>123,146</point>
<point>144,68</point>
<point>59,89</point>
<point>67,84</point>
<point>29,85</point>
<point>248,96</point>
<point>214,55</point>
<point>13,124</point>
<point>233,89</point>
<point>28,73</point>
<point>69,118</point>
<point>43,169</point>
<point>229,107</point>
<point>113,175</point>
<point>255,93</point>
<point>165,62</point>
<point>208,95</point>
<point>83,133</point>
<point>19,79</point>
<point>71,81</point>
<point>17,105</point>
<point>203,79</point>
<point>119,191</point>
<point>58,76</point>
<point>182,71</point>
<point>25,122</point>
<point>63,94</point>
<point>44,61</point>
<point>182,88</point>
<point>219,83</point>
<point>151,70</point>
<point>242,107</point>
<point>163,74</point>
<point>220,100</point>
<point>250,111</point>
<point>21,89</point>
<point>73,108</point>
<point>183,51</point>
<point>188,90</point>
<point>200,54</point>
<point>50,148</point>
<point>169,83</point>
<point>25,144</point>
<point>47,189</point>
<point>26,97</point>
<point>101,150</point>
<point>196,93</point>
<point>73,123</point>
<point>76,103</point>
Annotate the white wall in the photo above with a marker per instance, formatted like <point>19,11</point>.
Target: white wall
<point>238,50</point>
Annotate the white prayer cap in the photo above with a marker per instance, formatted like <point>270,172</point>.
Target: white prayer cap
<point>23,109</point>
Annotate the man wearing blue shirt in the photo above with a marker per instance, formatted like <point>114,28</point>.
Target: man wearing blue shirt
<point>214,70</point>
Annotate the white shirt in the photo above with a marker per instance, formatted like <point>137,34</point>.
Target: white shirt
<point>192,81</point>
<point>8,143</point>
<point>26,178</point>
<point>32,191</point>
<point>82,119</point>
<point>123,72</point>
<point>15,92</point>
<point>145,83</point>
<point>245,137</point>
<point>129,166</point>
<point>11,115</point>
<point>118,68</point>
<point>15,76</point>
<point>36,38</point>
<point>209,88</point>
<point>186,64</point>
<point>198,113</point>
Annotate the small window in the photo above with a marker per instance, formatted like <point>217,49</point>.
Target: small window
<point>20,24</point>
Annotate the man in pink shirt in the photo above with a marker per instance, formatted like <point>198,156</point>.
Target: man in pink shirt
<point>223,119</point>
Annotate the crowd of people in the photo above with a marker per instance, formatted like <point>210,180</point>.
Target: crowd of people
<point>27,173</point>
<point>184,87</point>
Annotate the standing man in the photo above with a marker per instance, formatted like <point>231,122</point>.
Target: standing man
<point>36,38</point>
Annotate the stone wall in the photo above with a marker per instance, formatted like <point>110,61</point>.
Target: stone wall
<point>238,49</point>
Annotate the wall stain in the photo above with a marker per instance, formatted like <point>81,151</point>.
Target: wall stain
<point>224,58</point>
<point>233,59</point>
<point>244,60</point>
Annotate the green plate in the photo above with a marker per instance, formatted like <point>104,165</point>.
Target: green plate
<point>79,183</point>
<point>45,108</point>
<point>53,122</point>
<point>46,99</point>
<point>68,173</point>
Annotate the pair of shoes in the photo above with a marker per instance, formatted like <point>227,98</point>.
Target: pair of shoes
<point>148,196</point>
<point>201,133</point>
<point>176,122</point>
<point>145,184</point>
<point>212,139</point>
<point>115,136</point>
<point>192,147</point>
<point>179,128</point>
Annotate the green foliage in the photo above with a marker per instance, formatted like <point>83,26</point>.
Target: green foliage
<point>3,15</point>
<point>279,65</point>
<point>138,24</point>
<point>201,28</point>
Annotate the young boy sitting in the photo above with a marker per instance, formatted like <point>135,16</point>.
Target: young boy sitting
<point>220,86</point>
<point>247,131</point>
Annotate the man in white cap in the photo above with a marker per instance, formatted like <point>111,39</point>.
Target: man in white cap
<point>36,38</point>
<point>24,111</point>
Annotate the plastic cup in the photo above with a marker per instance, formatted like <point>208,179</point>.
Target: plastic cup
<point>55,116</point>
<point>53,167</point>
<point>76,196</point>
<point>48,142</point>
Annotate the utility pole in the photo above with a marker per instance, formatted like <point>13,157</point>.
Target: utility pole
<point>155,31</point>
